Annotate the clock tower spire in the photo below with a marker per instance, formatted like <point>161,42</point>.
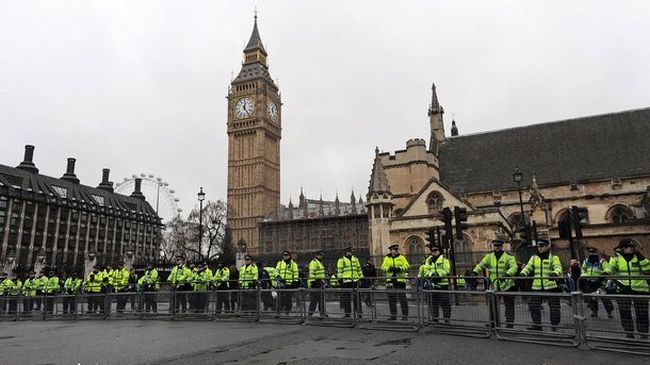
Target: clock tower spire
<point>254,132</point>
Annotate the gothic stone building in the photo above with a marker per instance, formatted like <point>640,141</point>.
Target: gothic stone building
<point>315,225</point>
<point>598,163</point>
<point>60,221</point>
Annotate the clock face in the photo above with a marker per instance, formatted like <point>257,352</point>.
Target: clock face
<point>244,107</point>
<point>273,110</point>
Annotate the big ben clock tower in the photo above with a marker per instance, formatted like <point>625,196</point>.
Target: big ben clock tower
<point>254,132</point>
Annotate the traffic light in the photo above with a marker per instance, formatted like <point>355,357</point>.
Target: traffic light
<point>446,218</point>
<point>431,237</point>
<point>564,229</point>
<point>578,218</point>
<point>460,215</point>
<point>523,232</point>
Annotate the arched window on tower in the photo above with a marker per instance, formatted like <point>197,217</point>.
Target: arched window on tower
<point>434,202</point>
<point>619,214</point>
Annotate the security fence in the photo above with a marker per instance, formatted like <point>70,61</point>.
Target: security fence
<point>603,316</point>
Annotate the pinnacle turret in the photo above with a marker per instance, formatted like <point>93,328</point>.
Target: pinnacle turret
<point>255,41</point>
<point>378,180</point>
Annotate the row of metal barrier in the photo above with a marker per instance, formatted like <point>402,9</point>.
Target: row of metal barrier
<point>554,318</point>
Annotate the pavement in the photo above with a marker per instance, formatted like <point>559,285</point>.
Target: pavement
<point>223,342</point>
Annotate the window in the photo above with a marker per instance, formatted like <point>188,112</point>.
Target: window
<point>619,214</point>
<point>61,191</point>
<point>98,199</point>
<point>434,202</point>
<point>415,246</point>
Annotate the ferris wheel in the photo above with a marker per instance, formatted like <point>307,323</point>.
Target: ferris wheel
<point>156,191</point>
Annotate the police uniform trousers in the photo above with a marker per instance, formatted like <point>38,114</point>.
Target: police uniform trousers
<point>286,298</point>
<point>223,298</point>
<point>640,310</point>
<point>316,297</point>
<point>588,286</point>
<point>535,306</point>
<point>350,296</point>
<point>440,301</point>
<point>397,293</point>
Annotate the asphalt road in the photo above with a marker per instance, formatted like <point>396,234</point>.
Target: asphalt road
<point>221,342</point>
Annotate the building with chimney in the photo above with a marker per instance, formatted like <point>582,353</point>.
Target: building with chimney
<point>60,221</point>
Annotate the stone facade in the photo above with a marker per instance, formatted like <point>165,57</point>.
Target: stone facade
<point>315,225</point>
<point>254,132</point>
<point>591,169</point>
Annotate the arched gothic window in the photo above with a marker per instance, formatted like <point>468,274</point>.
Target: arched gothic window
<point>415,246</point>
<point>515,220</point>
<point>434,202</point>
<point>619,214</point>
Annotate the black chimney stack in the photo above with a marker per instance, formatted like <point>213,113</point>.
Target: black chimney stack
<point>105,184</point>
<point>69,173</point>
<point>137,193</point>
<point>28,164</point>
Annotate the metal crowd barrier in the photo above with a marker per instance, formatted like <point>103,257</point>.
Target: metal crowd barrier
<point>390,304</point>
<point>615,319</point>
<point>330,307</point>
<point>456,311</point>
<point>597,316</point>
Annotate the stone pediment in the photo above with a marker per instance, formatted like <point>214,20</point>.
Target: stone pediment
<point>420,207</point>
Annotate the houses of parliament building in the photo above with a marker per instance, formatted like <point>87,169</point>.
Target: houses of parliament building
<point>598,163</point>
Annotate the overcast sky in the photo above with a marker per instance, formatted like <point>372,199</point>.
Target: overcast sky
<point>140,86</point>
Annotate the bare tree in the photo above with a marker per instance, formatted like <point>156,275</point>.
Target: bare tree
<point>176,239</point>
<point>182,236</point>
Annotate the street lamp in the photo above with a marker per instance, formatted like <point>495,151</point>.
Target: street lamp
<point>201,196</point>
<point>518,177</point>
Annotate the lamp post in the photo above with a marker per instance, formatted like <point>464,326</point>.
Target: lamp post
<point>201,196</point>
<point>518,177</point>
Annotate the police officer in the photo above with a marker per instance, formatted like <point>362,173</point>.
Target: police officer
<point>14,293</point>
<point>92,287</point>
<point>29,291</point>
<point>51,288</point>
<point>501,266</point>
<point>369,272</point>
<point>266,277</point>
<point>5,286</point>
<point>592,270</point>
<point>287,279</point>
<point>248,275</point>
<point>71,287</point>
<point>630,262</point>
<point>542,266</point>
<point>201,283</point>
<point>120,282</point>
<point>149,283</point>
<point>395,268</point>
<point>349,273</point>
<point>437,270</point>
<point>221,282</point>
<point>180,277</point>
<point>316,282</point>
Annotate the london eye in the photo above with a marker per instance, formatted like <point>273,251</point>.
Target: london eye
<point>157,192</point>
